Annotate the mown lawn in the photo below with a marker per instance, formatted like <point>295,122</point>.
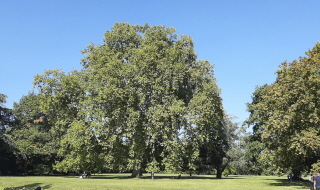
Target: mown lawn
<point>161,181</point>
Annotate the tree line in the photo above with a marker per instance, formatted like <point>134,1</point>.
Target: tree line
<point>143,102</point>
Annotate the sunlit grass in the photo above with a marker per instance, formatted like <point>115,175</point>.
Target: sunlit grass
<point>161,181</point>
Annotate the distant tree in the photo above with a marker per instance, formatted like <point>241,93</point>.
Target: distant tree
<point>237,161</point>
<point>5,114</point>
<point>3,99</point>
<point>258,162</point>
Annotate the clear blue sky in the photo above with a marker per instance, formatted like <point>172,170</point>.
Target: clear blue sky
<point>246,41</point>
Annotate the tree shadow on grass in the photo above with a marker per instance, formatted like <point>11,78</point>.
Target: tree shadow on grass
<point>148,176</point>
<point>303,184</point>
<point>184,177</point>
<point>30,186</point>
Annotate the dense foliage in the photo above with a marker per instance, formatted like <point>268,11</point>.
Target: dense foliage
<point>142,102</point>
<point>286,114</point>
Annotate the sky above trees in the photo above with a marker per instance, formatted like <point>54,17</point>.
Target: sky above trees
<point>246,41</point>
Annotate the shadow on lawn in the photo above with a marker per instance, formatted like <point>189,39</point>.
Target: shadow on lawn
<point>303,184</point>
<point>30,186</point>
<point>148,176</point>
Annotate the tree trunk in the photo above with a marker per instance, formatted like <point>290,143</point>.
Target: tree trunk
<point>219,173</point>
<point>296,175</point>
<point>220,169</point>
<point>136,172</point>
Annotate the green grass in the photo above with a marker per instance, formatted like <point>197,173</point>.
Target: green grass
<point>161,181</point>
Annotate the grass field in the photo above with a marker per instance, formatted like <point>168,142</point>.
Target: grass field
<point>161,181</point>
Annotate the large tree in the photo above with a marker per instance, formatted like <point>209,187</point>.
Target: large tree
<point>140,91</point>
<point>289,113</point>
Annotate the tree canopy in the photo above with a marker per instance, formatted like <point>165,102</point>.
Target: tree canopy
<point>142,102</point>
<point>287,112</point>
